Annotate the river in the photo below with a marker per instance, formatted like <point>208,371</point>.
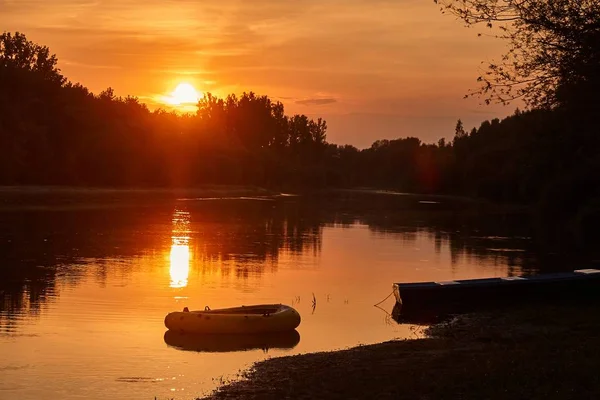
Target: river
<point>87,277</point>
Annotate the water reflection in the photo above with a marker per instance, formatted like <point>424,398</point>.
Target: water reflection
<point>179,257</point>
<point>40,249</point>
<point>229,343</point>
<point>98,277</point>
<point>179,265</point>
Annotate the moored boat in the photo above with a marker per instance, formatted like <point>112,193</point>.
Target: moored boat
<point>423,301</point>
<point>473,289</point>
<point>237,320</point>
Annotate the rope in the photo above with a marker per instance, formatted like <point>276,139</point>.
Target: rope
<point>388,296</point>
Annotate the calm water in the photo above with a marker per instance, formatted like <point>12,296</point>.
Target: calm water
<point>86,280</point>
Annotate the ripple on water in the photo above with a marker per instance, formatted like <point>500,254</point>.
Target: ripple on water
<point>256,198</point>
<point>10,324</point>
<point>502,250</point>
<point>15,334</point>
<point>9,367</point>
<point>138,379</point>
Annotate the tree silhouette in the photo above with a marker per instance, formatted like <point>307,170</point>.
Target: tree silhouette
<point>554,49</point>
<point>56,132</point>
<point>17,54</point>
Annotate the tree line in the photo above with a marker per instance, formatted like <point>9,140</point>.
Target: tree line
<point>56,132</point>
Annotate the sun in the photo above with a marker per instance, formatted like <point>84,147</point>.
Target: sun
<point>184,94</point>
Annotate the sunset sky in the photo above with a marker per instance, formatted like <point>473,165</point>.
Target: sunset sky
<point>372,68</point>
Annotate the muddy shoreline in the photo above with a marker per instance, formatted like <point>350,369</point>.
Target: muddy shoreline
<point>549,352</point>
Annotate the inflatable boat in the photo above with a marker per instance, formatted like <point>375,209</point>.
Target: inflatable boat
<point>238,320</point>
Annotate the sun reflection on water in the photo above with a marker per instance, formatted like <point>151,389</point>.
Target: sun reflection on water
<point>180,255</point>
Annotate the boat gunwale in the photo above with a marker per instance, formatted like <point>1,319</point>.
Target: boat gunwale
<point>576,275</point>
<point>244,310</point>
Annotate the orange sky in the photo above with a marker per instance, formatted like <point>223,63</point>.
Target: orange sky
<point>372,68</point>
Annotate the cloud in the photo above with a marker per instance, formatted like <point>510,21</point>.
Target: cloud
<point>91,66</point>
<point>316,102</point>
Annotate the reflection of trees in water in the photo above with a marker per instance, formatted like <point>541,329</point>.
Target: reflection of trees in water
<point>253,231</point>
<point>29,295</point>
<point>240,238</point>
<point>39,248</point>
<point>468,230</point>
<point>499,240</point>
<point>28,266</point>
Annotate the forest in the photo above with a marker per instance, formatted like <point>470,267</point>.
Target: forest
<point>56,132</point>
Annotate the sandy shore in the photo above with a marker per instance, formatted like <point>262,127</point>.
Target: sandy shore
<point>532,353</point>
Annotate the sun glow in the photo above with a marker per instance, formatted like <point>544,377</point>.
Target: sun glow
<point>180,265</point>
<point>180,255</point>
<point>184,94</point>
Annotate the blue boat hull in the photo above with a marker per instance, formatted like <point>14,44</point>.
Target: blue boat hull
<point>424,300</point>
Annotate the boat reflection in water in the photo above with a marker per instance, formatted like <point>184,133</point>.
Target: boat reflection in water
<point>222,343</point>
<point>179,257</point>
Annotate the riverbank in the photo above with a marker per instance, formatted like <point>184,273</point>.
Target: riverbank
<point>551,352</point>
<point>21,198</point>
<point>201,191</point>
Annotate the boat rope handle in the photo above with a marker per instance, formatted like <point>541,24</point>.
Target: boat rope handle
<point>388,296</point>
<point>207,308</point>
